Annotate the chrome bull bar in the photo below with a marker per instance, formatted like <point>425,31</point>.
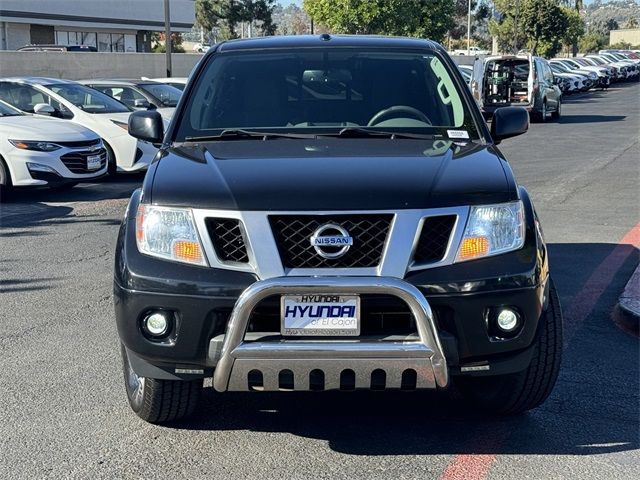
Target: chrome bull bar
<point>238,357</point>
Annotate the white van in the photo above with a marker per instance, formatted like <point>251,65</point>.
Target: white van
<point>516,80</point>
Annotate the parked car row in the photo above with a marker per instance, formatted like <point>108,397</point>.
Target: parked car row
<point>56,133</point>
<point>539,84</point>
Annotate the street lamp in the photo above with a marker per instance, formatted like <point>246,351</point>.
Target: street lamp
<point>469,30</point>
<point>167,36</point>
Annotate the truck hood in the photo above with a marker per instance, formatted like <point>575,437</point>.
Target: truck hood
<point>330,174</point>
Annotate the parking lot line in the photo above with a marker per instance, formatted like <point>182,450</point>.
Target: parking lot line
<point>475,466</point>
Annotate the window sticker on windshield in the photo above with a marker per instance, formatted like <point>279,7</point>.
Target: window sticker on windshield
<point>458,134</point>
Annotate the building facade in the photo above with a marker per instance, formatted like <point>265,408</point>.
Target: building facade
<point>110,26</point>
<point>626,35</point>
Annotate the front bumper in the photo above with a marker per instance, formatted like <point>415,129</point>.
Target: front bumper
<point>211,307</point>
<point>17,160</point>
<point>238,357</point>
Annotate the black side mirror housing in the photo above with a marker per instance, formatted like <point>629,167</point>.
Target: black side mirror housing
<point>508,122</point>
<point>146,125</point>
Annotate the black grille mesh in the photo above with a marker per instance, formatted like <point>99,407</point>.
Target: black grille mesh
<point>227,239</point>
<point>434,238</point>
<point>293,236</point>
<point>76,162</point>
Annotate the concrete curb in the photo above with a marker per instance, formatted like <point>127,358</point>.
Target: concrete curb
<point>629,303</point>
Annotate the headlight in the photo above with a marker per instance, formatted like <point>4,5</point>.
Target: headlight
<point>492,229</point>
<point>168,233</point>
<point>38,146</point>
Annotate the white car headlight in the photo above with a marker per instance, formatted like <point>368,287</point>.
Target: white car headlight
<point>168,233</point>
<point>491,230</point>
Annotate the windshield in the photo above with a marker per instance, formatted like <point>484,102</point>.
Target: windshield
<point>88,99</point>
<point>7,110</point>
<point>166,95</point>
<point>323,91</point>
<point>561,66</point>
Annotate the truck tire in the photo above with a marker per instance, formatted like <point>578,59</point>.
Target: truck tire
<point>518,392</point>
<point>159,401</point>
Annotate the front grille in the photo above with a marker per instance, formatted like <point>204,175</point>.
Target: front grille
<point>293,236</point>
<point>228,241</point>
<point>81,143</point>
<point>434,238</point>
<point>76,162</point>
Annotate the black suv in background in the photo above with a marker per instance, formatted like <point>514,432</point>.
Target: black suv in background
<point>331,212</point>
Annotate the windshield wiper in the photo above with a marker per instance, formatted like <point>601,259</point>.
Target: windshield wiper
<point>239,133</point>
<point>357,132</point>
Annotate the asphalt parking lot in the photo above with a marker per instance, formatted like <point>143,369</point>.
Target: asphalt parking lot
<point>63,410</point>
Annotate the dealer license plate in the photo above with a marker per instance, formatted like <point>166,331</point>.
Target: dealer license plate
<point>320,315</point>
<point>93,162</point>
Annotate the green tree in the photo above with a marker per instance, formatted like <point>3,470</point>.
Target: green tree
<point>575,28</point>
<point>632,23</point>
<point>212,14</point>
<point>418,18</point>
<point>506,25</point>
<point>157,38</point>
<point>545,24</point>
<point>592,42</point>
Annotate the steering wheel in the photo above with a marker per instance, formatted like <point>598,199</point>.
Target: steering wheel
<point>395,111</point>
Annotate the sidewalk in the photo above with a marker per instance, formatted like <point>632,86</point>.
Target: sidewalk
<point>629,303</point>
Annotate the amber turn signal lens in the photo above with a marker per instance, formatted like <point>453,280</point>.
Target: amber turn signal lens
<point>473,247</point>
<point>140,224</point>
<point>188,251</point>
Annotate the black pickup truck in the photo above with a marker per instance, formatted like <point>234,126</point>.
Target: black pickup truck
<point>332,213</point>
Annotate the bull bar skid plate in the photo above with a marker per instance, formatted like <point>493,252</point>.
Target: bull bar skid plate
<point>239,357</point>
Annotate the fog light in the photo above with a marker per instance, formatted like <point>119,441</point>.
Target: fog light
<point>38,167</point>
<point>156,324</point>
<point>507,320</point>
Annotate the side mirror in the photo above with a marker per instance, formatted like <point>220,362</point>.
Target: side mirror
<point>43,109</point>
<point>508,122</point>
<point>141,103</point>
<point>147,125</point>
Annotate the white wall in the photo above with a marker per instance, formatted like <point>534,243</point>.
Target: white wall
<point>19,35</point>
<point>75,66</point>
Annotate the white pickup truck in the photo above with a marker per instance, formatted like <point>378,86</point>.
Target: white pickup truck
<point>472,51</point>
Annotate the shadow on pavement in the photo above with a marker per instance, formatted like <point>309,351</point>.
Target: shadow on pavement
<point>593,409</point>
<point>41,207</point>
<point>591,118</point>
<point>15,285</point>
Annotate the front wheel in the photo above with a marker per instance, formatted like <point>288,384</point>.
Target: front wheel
<point>159,401</point>
<point>5,181</point>
<point>558,113</point>
<point>542,116</point>
<point>518,392</point>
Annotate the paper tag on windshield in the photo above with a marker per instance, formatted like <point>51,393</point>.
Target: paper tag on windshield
<point>458,134</point>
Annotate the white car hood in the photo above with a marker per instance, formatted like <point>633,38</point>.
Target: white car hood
<point>32,127</point>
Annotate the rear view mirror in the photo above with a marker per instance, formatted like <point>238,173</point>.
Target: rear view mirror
<point>146,125</point>
<point>43,109</point>
<point>326,76</point>
<point>508,122</point>
<point>141,103</point>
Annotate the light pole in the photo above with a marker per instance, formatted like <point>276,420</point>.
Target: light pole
<point>469,30</point>
<point>167,35</point>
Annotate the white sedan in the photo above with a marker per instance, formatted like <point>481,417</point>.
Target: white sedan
<point>88,107</point>
<point>177,82</point>
<point>46,152</point>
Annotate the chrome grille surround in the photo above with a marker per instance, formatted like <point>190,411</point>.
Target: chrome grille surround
<point>397,256</point>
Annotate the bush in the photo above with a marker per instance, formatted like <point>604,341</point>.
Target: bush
<point>592,42</point>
